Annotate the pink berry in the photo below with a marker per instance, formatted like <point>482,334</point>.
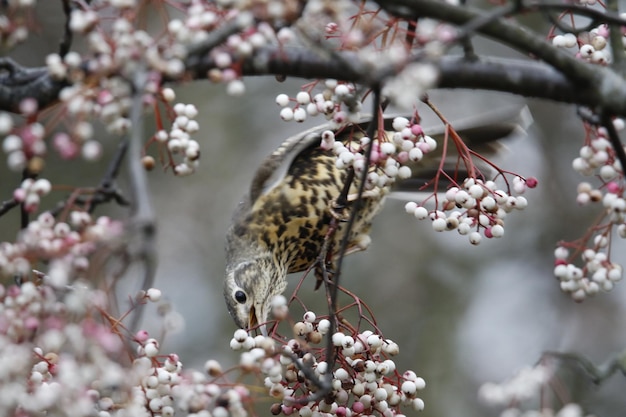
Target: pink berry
<point>31,323</point>
<point>612,187</point>
<point>531,182</point>
<point>417,130</point>
<point>141,336</point>
<point>19,195</point>
<point>358,407</point>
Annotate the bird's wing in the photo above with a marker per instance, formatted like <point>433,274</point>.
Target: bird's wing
<point>275,166</point>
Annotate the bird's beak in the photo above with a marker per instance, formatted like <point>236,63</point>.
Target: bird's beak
<point>253,321</point>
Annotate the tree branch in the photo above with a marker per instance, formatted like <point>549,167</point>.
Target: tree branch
<point>509,33</point>
<point>18,83</point>
<point>66,40</point>
<point>142,225</point>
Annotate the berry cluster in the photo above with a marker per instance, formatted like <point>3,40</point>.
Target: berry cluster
<point>597,272</point>
<point>473,206</point>
<point>523,386</point>
<point>178,140</point>
<point>14,29</point>
<point>30,192</point>
<point>526,385</point>
<point>337,102</point>
<point>24,146</point>
<point>596,158</point>
<point>363,378</point>
<point>590,46</point>
<point>66,245</point>
<point>57,357</point>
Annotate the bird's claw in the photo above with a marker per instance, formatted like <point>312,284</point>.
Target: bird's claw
<point>338,211</point>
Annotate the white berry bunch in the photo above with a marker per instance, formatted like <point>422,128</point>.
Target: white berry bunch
<point>597,273</point>
<point>55,360</point>
<point>391,153</point>
<point>363,377</point>
<point>584,267</point>
<point>66,244</point>
<point>568,410</point>
<point>590,46</point>
<point>58,357</point>
<point>474,208</point>
<point>30,192</point>
<point>16,22</point>
<point>25,145</point>
<point>523,386</point>
<point>529,383</point>
<point>337,102</point>
<point>178,140</point>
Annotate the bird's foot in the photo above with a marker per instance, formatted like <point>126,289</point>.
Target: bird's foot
<point>339,212</point>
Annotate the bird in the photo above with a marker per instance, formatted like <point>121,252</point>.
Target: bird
<point>282,223</point>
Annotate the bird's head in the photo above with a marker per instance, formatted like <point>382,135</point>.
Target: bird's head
<point>249,288</point>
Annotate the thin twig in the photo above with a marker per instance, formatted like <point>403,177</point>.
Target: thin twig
<point>66,39</point>
<point>7,206</point>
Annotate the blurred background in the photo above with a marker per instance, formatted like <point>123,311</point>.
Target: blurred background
<point>462,315</point>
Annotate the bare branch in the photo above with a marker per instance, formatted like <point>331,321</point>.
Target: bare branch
<point>18,83</point>
<point>142,225</point>
<point>66,40</point>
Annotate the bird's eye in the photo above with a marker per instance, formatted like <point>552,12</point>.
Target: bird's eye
<point>240,296</point>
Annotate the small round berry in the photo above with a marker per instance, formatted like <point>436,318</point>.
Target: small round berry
<point>299,329</point>
<point>338,339</point>
<point>399,123</point>
<point>417,404</point>
<point>387,148</point>
<point>410,207</point>
<point>302,97</point>
<point>299,115</point>
<point>240,335</point>
<point>309,317</point>
<point>153,294</point>
<point>286,114</point>
<point>497,231</point>
<point>148,163</point>
<point>404,172</point>
<point>151,350</point>
<point>168,94</point>
<point>235,88</point>
<point>323,326</point>
<point>439,224</point>
<point>420,213</point>
<point>213,368</point>
<point>475,238</point>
